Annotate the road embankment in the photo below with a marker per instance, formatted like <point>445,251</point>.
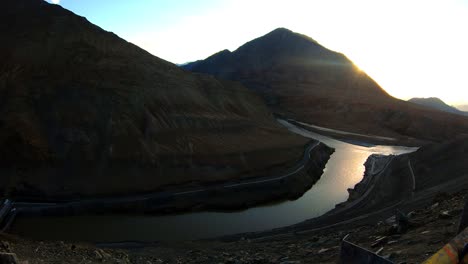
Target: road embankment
<point>404,182</point>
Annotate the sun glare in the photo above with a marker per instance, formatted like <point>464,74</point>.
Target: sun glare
<point>411,48</point>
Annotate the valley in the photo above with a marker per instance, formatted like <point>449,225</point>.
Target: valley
<point>270,153</point>
<point>343,170</point>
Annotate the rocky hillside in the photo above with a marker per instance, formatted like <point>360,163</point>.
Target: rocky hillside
<point>302,79</point>
<point>440,164</point>
<point>83,112</point>
<point>436,103</point>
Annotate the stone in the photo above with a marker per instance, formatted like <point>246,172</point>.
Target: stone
<point>8,258</point>
<point>445,215</point>
<point>391,220</point>
<point>402,222</point>
<point>411,214</point>
<point>379,251</point>
<point>390,256</point>
<point>5,246</point>
<point>101,255</point>
<point>455,212</point>
<point>379,242</point>
<point>323,250</point>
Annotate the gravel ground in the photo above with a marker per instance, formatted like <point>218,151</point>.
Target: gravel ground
<point>429,229</point>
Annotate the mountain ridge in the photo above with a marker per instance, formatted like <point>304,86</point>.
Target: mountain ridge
<point>301,79</point>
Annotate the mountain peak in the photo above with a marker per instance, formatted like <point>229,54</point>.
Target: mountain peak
<point>285,33</point>
<point>435,103</point>
<point>280,30</point>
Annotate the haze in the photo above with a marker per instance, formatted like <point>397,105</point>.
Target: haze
<point>411,48</point>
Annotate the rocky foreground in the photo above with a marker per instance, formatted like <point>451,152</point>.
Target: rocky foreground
<point>428,230</point>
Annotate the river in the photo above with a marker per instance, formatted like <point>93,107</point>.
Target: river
<point>344,169</point>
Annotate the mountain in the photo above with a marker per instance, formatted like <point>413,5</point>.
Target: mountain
<point>462,107</point>
<point>301,79</point>
<point>85,113</point>
<point>438,104</point>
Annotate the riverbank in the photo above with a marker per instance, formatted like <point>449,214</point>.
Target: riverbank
<point>359,139</point>
<point>433,226</point>
<point>343,170</point>
<point>389,184</point>
<point>232,195</point>
<point>405,182</point>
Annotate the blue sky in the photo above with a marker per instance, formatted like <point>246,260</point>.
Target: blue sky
<point>126,16</point>
<point>412,48</point>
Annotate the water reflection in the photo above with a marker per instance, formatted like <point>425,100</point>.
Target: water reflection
<point>344,169</point>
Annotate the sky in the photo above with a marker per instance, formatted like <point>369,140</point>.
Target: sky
<point>412,48</point>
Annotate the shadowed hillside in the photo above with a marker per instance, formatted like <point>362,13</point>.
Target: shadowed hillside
<point>83,112</point>
<point>301,79</point>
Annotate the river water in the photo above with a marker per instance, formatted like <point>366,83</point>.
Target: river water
<point>344,169</point>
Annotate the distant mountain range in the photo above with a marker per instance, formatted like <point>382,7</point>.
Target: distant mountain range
<point>462,107</point>
<point>436,103</point>
<point>304,80</point>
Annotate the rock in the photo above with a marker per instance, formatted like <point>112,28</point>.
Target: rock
<point>323,250</point>
<point>435,242</point>
<point>445,215</point>
<point>101,255</point>
<point>314,239</point>
<point>402,221</point>
<point>392,230</point>
<point>391,220</point>
<point>379,242</point>
<point>425,232</point>
<point>98,255</point>
<point>455,212</point>
<point>391,256</point>
<point>434,206</point>
<point>291,262</point>
<point>8,258</point>
<point>392,242</point>
<point>379,251</point>
<point>5,246</point>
